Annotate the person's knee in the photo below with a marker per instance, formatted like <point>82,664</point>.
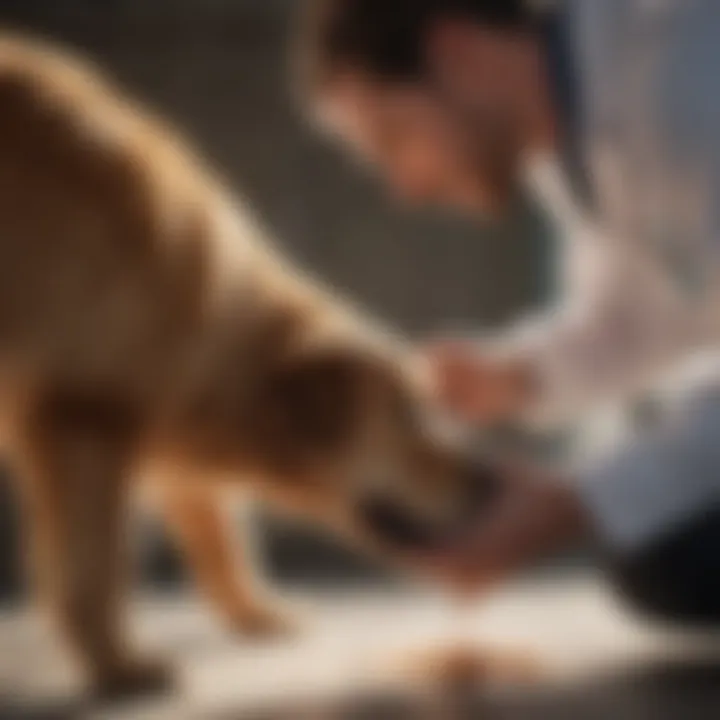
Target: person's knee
<point>653,597</point>
<point>676,580</point>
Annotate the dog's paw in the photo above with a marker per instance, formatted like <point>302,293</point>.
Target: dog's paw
<point>265,622</point>
<point>132,679</point>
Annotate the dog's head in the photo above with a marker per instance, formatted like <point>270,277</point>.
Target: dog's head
<point>359,430</point>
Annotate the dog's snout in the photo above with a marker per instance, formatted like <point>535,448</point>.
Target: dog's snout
<point>468,497</point>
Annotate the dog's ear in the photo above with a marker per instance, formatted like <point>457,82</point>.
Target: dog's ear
<point>311,405</point>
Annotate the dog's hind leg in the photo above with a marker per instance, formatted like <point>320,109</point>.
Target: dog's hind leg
<point>74,454</point>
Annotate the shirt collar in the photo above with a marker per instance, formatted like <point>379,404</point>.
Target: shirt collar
<point>562,69</point>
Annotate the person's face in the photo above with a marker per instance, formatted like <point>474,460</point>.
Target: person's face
<point>457,138</point>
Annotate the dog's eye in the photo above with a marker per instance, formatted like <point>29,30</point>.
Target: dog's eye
<point>440,427</point>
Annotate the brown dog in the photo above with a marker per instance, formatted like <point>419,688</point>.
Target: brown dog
<point>148,332</point>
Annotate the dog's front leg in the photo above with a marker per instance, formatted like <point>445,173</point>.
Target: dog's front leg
<point>218,549</point>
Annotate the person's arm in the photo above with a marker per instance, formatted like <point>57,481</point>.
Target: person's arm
<point>622,318</point>
<point>630,503</point>
<point>647,490</point>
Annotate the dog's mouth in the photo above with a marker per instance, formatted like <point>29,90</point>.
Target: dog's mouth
<point>401,528</point>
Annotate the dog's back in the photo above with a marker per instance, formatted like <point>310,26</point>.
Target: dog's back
<point>135,303</point>
<point>107,255</point>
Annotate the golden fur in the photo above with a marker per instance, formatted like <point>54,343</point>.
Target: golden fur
<point>148,332</point>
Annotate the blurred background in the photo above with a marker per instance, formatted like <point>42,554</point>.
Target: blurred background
<point>219,70</point>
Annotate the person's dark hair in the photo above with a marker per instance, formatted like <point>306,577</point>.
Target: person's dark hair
<point>385,38</point>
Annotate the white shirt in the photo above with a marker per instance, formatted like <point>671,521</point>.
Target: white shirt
<point>642,275</point>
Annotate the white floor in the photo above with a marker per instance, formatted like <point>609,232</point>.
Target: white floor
<point>572,626</point>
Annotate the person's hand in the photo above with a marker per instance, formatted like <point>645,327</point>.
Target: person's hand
<point>478,388</point>
<point>535,515</point>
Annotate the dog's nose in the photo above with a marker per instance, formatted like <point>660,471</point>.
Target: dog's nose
<point>390,523</point>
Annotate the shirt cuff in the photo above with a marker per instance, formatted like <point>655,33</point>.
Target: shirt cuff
<point>650,489</point>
